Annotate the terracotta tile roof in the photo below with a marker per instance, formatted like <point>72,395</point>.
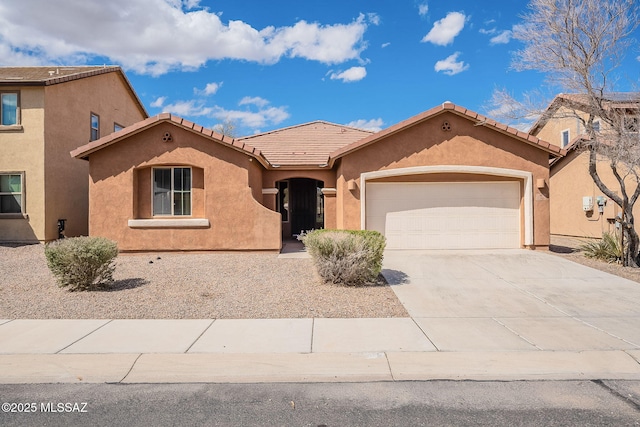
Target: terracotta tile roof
<point>456,109</point>
<point>305,145</point>
<point>580,101</point>
<point>86,150</point>
<point>45,76</point>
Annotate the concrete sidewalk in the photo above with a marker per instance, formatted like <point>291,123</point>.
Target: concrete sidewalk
<point>276,350</point>
<point>476,315</point>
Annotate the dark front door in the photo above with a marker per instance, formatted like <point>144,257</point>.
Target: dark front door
<point>303,200</point>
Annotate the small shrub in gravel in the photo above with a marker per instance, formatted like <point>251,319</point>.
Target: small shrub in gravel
<point>82,263</point>
<point>349,257</point>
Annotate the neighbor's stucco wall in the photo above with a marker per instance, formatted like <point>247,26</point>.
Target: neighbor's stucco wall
<point>23,151</point>
<point>67,126</point>
<point>237,219</point>
<point>570,182</point>
<point>426,144</point>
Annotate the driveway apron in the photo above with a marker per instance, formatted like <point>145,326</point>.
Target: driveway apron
<point>514,300</point>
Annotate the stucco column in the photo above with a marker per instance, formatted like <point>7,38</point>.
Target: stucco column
<point>329,208</point>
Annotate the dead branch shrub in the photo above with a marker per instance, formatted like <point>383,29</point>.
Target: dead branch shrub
<point>344,256</point>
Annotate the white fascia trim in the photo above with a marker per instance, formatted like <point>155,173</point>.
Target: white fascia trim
<point>169,223</point>
<point>417,170</point>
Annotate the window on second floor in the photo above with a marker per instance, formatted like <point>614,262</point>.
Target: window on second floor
<point>565,138</point>
<point>95,127</point>
<point>596,126</point>
<point>117,127</point>
<point>9,110</point>
<point>11,193</point>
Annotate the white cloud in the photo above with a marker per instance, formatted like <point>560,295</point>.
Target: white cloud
<point>374,125</point>
<point>423,9</point>
<point>187,109</point>
<point>156,36</point>
<point>446,29</point>
<point>450,65</point>
<point>209,89</point>
<point>503,38</point>
<point>253,119</point>
<point>387,44</point>
<point>159,102</point>
<point>353,74</point>
<point>257,112</point>
<point>254,100</point>
<point>489,31</point>
<point>374,18</point>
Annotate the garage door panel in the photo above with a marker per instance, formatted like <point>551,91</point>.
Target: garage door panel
<point>445,215</point>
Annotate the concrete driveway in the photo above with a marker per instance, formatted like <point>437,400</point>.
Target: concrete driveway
<point>514,300</point>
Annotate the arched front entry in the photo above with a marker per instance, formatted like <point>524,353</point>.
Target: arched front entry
<point>301,204</point>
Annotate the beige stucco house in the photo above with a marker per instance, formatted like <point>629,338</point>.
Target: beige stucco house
<point>45,112</point>
<point>446,178</point>
<point>578,207</point>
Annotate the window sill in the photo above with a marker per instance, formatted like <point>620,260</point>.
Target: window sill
<point>11,128</point>
<point>169,223</point>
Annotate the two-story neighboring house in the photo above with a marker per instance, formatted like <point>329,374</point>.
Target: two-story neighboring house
<point>45,112</point>
<point>577,206</point>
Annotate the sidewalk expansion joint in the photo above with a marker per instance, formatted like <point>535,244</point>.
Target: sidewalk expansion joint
<point>313,326</point>
<point>200,336</point>
<point>84,336</point>
<point>425,334</point>
<point>515,333</point>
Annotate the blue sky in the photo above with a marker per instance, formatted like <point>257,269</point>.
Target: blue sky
<point>266,65</point>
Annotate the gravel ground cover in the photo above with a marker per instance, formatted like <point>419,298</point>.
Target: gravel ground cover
<point>246,285</point>
<point>569,247</point>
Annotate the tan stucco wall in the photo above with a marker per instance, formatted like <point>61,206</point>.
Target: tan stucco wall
<point>570,182</point>
<point>237,219</point>
<point>23,151</point>
<point>67,126</point>
<point>426,144</point>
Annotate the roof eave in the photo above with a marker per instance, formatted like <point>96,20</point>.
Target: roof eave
<point>86,150</point>
<point>479,119</point>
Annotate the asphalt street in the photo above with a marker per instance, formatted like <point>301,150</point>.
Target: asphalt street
<point>432,403</point>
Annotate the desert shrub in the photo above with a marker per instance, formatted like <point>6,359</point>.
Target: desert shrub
<point>82,263</point>
<point>607,249</point>
<point>349,257</point>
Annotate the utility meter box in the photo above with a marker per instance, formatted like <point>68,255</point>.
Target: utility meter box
<point>587,203</point>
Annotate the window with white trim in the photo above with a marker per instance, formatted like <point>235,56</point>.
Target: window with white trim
<point>171,191</point>
<point>11,193</point>
<point>95,127</point>
<point>565,138</point>
<point>9,109</point>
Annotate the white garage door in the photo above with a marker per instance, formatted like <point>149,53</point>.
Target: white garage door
<point>452,215</point>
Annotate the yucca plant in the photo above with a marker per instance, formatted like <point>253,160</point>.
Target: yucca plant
<point>609,248</point>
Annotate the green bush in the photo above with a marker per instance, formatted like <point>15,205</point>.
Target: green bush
<point>607,249</point>
<point>349,257</point>
<point>82,263</point>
